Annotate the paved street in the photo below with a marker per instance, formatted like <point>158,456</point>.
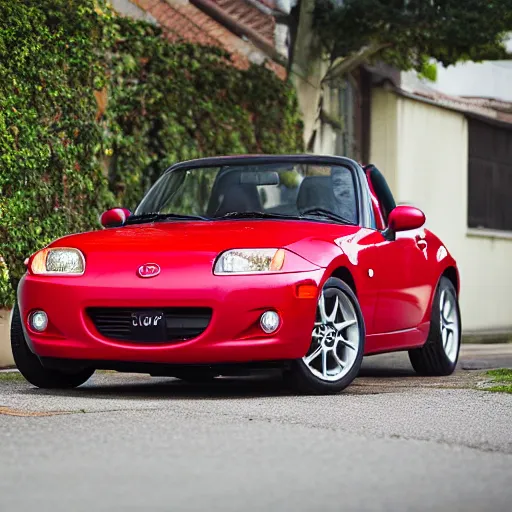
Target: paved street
<point>391,442</point>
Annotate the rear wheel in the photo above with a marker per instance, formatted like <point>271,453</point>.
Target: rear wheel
<point>31,368</point>
<point>440,353</point>
<point>337,345</point>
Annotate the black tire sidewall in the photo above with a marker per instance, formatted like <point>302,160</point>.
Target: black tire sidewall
<point>21,352</point>
<point>431,359</point>
<point>301,376</point>
<point>31,367</point>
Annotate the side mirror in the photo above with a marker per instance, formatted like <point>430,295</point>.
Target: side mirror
<point>404,218</point>
<point>114,218</point>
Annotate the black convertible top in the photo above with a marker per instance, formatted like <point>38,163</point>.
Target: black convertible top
<point>262,159</point>
<point>360,182</point>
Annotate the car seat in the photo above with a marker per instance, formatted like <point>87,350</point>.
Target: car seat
<point>229,195</point>
<point>334,193</point>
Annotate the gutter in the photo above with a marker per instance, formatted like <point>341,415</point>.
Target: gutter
<point>467,111</point>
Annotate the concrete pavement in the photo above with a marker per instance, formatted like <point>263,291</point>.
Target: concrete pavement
<point>393,441</point>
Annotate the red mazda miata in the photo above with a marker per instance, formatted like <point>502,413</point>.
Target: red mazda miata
<point>234,264</point>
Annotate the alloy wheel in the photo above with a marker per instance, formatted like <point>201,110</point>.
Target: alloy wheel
<point>335,338</point>
<point>449,325</point>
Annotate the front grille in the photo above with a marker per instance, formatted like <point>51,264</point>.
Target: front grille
<point>180,323</point>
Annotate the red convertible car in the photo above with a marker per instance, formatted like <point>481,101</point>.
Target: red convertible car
<point>235,264</point>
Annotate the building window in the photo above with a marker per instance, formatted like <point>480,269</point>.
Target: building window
<point>489,176</point>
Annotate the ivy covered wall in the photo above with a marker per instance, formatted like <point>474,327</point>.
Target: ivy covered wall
<point>93,107</point>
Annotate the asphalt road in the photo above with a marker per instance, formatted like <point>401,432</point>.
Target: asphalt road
<point>391,442</point>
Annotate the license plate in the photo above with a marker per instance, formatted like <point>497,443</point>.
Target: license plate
<point>148,326</point>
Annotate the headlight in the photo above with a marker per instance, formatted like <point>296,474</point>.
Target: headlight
<point>248,261</point>
<point>58,261</point>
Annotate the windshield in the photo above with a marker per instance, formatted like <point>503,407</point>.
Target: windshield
<point>294,190</point>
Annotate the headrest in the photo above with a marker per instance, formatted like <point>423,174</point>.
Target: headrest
<point>316,191</point>
<point>335,193</point>
<point>229,195</point>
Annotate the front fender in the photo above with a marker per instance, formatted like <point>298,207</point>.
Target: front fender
<point>347,243</point>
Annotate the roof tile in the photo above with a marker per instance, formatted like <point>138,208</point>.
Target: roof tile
<point>146,4</point>
<point>245,13</point>
<point>184,21</point>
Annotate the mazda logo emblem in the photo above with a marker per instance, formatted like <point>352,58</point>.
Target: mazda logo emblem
<point>148,270</point>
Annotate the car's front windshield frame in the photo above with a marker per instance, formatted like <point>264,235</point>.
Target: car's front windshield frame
<point>264,162</point>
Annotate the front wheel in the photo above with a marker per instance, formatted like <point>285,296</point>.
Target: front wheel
<point>31,368</point>
<point>440,353</point>
<point>337,343</point>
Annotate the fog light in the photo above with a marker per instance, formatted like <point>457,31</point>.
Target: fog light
<point>269,321</point>
<point>39,321</point>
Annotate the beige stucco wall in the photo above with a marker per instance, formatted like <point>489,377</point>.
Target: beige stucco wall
<point>422,149</point>
<point>384,134</point>
<point>5,344</point>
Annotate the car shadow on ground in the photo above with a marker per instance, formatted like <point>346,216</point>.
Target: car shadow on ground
<point>110,385</point>
<point>128,387</point>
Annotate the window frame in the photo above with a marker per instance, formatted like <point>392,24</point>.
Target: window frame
<point>489,162</point>
<point>361,189</point>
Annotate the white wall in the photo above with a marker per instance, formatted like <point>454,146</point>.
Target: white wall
<point>485,80</point>
<point>384,135</point>
<point>488,79</point>
<point>427,146</point>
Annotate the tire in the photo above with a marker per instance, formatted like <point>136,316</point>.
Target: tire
<point>333,342</point>
<point>440,353</point>
<point>31,368</point>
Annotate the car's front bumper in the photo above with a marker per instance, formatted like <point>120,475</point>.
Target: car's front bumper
<point>232,336</point>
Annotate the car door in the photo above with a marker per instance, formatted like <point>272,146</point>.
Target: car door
<point>400,275</point>
<point>400,268</point>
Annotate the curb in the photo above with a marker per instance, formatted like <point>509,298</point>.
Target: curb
<point>487,338</point>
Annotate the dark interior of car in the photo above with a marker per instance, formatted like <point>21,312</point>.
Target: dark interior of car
<point>333,193</point>
<point>230,195</point>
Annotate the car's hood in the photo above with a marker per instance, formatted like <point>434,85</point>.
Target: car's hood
<point>207,236</point>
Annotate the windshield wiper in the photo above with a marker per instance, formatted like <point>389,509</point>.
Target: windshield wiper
<point>322,212</point>
<point>155,217</point>
<point>254,215</point>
